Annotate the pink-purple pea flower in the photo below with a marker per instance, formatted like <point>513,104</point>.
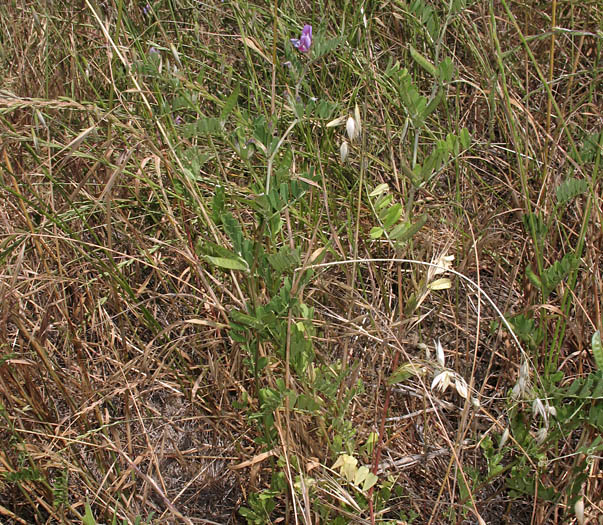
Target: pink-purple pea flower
<point>305,41</point>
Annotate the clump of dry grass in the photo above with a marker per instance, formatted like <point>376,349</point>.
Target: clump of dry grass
<point>120,382</point>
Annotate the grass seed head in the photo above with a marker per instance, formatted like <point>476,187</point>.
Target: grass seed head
<point>461,386</point>
<point>350,127</point>
<point>442,381</point>
<point>541,435</point>
<point>357,119</point>
<point>343,151</point>
<point>579,511</point>
<point>504,438</point>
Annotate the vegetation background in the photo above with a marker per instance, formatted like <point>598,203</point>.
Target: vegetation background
<point>243,283</point>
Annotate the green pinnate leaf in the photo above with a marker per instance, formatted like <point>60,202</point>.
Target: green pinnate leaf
<point>535,226</point>
<point>570,189</point>
<point>433,104</point>
<point>228,263</point>
<point>323,47</point>
<point>217,205</point>
<point>383,201</point>
<point>590,148</point>
<point>558,271</point>
<point>532,277</point>
<point>445,70</point>
<point>408,230</point>
<point>595,416</point>
<point>234,232</point>
<point>598,389</point>
<point>406,371</point>
<point>286,258</point>
<point>202,127</point>
<point>427,17</point>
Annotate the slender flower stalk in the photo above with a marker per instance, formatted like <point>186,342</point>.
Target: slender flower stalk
<point>303,45</point>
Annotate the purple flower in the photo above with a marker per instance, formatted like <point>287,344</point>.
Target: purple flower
<point>146,10</point>
<point>305,41</point>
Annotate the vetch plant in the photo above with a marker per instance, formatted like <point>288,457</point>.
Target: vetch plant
<point>273,326</point>
<point>304,42</point>
<point>298,68</point>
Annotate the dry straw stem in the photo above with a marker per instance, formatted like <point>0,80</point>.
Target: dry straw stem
<point>436,267</point>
